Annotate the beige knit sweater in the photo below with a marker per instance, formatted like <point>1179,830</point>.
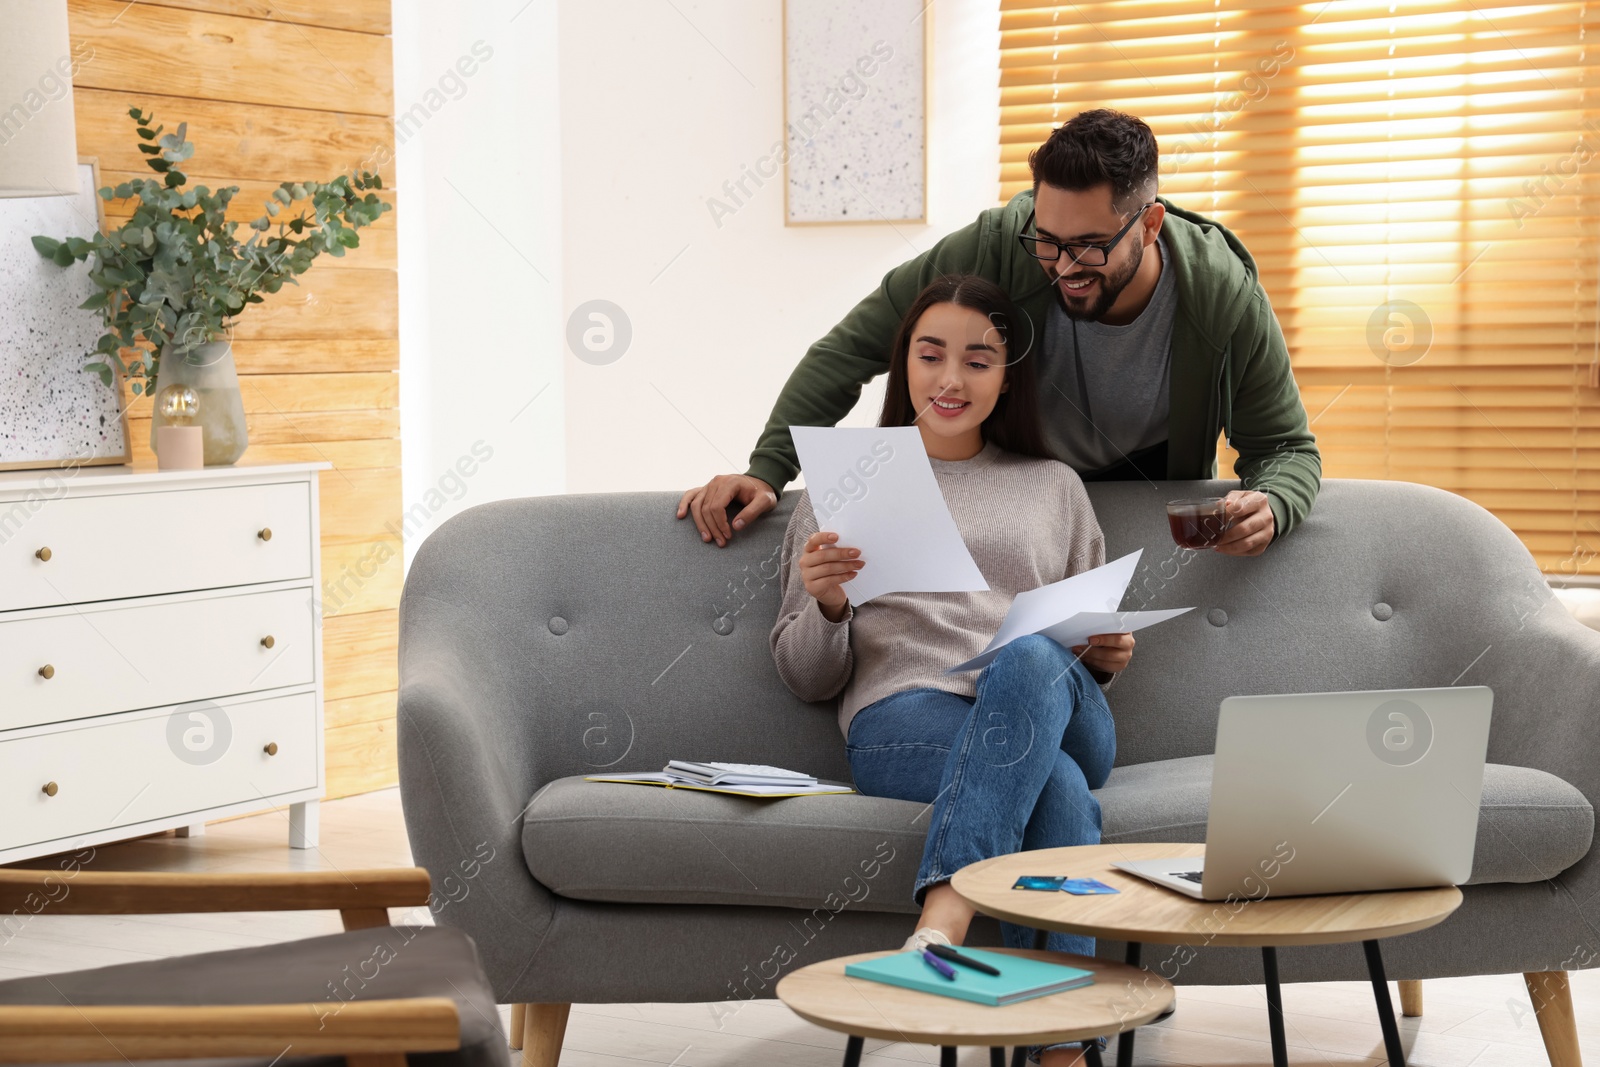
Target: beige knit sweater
<point>1027,522</point>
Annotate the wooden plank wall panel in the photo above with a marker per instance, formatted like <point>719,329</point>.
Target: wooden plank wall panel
<point>288,91</point>
<point>147,48</point>
<point>232,142</point>
<point>364,16</point>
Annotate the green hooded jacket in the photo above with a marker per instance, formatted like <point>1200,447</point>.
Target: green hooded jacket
<point>1229,370</point>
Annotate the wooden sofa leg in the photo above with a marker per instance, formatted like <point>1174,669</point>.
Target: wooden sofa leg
<point>518,1021</point>
<point>543,1029</point>
<point>1411,999</point>
<point>1552,1005</point>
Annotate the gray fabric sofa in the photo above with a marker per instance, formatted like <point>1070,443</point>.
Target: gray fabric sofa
<point>546,638</point>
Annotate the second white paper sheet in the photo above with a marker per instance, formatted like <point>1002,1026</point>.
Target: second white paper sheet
<point>1071,610</point>
<point>874,487</point>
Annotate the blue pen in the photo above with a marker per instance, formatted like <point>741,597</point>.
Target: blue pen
<point>939,965</point>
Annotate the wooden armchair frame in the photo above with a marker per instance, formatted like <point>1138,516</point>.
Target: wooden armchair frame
<point>376,1033</point>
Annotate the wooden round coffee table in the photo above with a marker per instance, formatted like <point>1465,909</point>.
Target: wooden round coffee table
<point>1120,998</point>
<point>1145,912</point>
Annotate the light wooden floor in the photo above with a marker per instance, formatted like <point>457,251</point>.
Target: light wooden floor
<point>1482,1022</point>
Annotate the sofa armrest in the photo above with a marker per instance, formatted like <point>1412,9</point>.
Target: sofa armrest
<point>1547,702</point>
<point>467,738</point>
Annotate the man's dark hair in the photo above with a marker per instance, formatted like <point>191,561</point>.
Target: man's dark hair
<point>1096,147</point>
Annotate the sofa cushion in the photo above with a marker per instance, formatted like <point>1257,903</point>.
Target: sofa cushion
<point>640,844</point>
<point>1162,801</point>
<point>1531,826</point>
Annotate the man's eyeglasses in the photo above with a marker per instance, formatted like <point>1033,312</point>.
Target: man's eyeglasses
<point>1086,255</point>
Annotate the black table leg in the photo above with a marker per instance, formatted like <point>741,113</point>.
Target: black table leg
<point>997,1057</point>
<point>852,1052</point>
<point>1380,990</point>
<point>1019,1057</point>
<point>1125,1042</point>
<point>1280,1045</point>
<point>947,1056</point>
<point>1091,1054</point>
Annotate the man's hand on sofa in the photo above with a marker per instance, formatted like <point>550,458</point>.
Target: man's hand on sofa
<point>1252,524</point>
<point>1105,655</point>
<point>709,505</point>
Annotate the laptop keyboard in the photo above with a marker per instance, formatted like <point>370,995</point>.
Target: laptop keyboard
<point>1189,876</point>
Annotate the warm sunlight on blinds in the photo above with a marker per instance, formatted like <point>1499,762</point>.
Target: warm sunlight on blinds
<point>1416,183</point>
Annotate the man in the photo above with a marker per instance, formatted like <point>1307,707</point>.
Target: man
<point>1151,326</point>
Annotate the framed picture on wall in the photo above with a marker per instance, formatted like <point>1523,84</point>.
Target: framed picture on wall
<point>855,111</point>
<point>53,413</point>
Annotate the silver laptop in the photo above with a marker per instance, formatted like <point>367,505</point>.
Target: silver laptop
<point>1339,793</point>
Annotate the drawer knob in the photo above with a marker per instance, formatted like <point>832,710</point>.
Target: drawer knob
<point>265,533</point>
<point>51,789</point>
<point>267,641</point>
<point>47,672</point>
<point>43,554</point>
<point>271,748</point>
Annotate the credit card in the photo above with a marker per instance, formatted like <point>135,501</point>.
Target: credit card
<point>1040,881</point>
<point>1086,887</point>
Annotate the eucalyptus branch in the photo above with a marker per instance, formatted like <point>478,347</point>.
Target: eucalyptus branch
<point>176,275</point>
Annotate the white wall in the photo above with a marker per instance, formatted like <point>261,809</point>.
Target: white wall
<point>656,114</point>
<point>592,140</point>
<point>479,182</point>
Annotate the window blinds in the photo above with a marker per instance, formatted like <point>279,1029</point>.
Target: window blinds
<point>1417,184</point>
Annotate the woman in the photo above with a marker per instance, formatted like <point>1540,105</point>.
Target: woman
<point>1006,758</point>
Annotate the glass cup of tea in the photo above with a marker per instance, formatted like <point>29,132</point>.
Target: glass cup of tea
<point>1197,523</point>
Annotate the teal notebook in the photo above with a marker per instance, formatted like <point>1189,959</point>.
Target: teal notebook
<point>1019,979</point>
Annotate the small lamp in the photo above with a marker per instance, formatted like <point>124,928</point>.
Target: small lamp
<point>38,135</point>
<point>179,443</point>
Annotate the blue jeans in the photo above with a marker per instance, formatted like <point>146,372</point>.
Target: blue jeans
<point>1007,771</point>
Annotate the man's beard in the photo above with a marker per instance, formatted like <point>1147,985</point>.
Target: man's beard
<point>1109,288</point>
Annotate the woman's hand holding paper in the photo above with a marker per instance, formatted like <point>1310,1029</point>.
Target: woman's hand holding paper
<point>1106,654</point>
<point>824,567</point>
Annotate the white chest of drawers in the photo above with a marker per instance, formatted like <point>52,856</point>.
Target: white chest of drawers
<point>160,652</point>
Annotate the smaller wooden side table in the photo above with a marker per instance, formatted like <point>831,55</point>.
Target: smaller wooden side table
<point>1120,998</point>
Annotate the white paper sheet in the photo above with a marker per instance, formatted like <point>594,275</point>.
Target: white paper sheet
<point>1078,629</point>
<point>1073,609</point>
<point>874,487</point>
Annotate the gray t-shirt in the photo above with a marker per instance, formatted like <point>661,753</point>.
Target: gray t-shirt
<point>1124,371</point>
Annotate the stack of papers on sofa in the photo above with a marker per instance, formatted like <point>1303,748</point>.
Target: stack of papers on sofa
<point>1020,978</point>
<point>742,779</point>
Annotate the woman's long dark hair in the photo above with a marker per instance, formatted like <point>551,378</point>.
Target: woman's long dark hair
<point>1014,423</point>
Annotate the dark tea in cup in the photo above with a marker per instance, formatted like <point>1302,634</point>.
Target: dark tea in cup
<point>1197,523</point>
